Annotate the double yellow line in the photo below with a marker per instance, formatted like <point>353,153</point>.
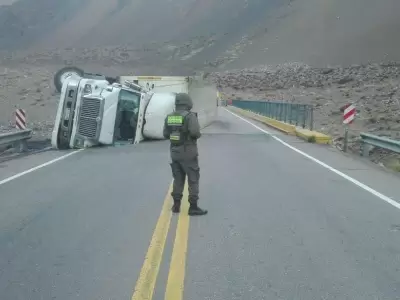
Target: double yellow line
<point>146,282</point>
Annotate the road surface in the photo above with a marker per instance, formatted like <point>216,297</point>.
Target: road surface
<point>287,220</point>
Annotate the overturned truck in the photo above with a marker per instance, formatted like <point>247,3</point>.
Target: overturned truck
<point>96,110</point>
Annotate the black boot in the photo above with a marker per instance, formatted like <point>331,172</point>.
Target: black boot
<point>176,208</point>
<point>194,210</point>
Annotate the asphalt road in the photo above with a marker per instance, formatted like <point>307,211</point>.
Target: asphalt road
<point>96,224</point>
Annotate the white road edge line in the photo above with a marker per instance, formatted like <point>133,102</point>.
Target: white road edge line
<point>38,167</point>
<point>347,177</point>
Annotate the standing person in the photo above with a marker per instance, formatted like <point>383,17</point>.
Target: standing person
<point>182,129</point>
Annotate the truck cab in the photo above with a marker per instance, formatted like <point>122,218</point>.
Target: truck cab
<point>100,110</point>
<point>94,112</point>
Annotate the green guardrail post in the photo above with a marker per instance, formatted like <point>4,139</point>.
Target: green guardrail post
<point>279,111</point>
<point>271,113</point>
<point>284,113</point>
<point>269,109</point>
<point>272,110</point>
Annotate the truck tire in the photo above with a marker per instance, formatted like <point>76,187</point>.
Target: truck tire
<point>63,73</point>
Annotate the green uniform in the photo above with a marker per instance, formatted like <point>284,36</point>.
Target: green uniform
<point>182,129</point>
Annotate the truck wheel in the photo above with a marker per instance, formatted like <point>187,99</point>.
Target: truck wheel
<point>63,73</point>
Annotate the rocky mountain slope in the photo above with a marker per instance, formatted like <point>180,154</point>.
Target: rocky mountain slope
<point>182,36</point>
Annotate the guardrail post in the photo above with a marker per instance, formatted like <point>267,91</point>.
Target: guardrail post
<point>280,111</point>
<point>283,112</point>
<point>286,113</point>
<point>277,111</point>
<point>264,107</point>
<point>364,149</point>
<point>21,146</point>
<point>273,110</point>
<point>311,117</point>
<point>346,139</point>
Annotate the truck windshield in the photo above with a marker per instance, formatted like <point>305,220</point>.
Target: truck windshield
<point>128,107</point>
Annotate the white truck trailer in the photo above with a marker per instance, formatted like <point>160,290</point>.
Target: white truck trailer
<point>97,111</point>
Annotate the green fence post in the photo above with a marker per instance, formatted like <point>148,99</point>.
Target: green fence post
<point>279,111</point>
<point>269,109</point>
<point>312,117</point>
<point>272,110</point>
<point>285,115</point>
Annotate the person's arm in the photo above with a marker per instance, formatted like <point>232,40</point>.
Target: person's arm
<point>166,132</point>
<point>193,126</point>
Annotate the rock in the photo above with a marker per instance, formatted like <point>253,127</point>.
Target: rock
<point>345,80</point>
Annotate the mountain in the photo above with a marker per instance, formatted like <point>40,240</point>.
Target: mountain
<point>225,33</point>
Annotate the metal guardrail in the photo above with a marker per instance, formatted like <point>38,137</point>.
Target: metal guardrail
<point>292,113</point>
<point>18,139</point>
<point>377,141</point>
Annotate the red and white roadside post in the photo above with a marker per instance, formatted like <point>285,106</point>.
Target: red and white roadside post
<point>349,113</point>
<point>20,119</point>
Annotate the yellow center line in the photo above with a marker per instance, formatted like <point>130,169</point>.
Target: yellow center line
<point>176,276</point>
<point>145,284</point>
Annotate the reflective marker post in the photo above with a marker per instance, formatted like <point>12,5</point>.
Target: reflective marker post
<point>349,112</point>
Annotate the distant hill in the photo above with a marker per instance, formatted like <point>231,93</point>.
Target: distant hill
<point>24,22</point>
<point>225,34</point>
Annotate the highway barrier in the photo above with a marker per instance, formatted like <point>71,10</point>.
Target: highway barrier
<point>18,139</point>
<point>290,129</point>
<point>368,140</point>
<point>313,136</point>
<point>281,126</point>
<point>291,113</point>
